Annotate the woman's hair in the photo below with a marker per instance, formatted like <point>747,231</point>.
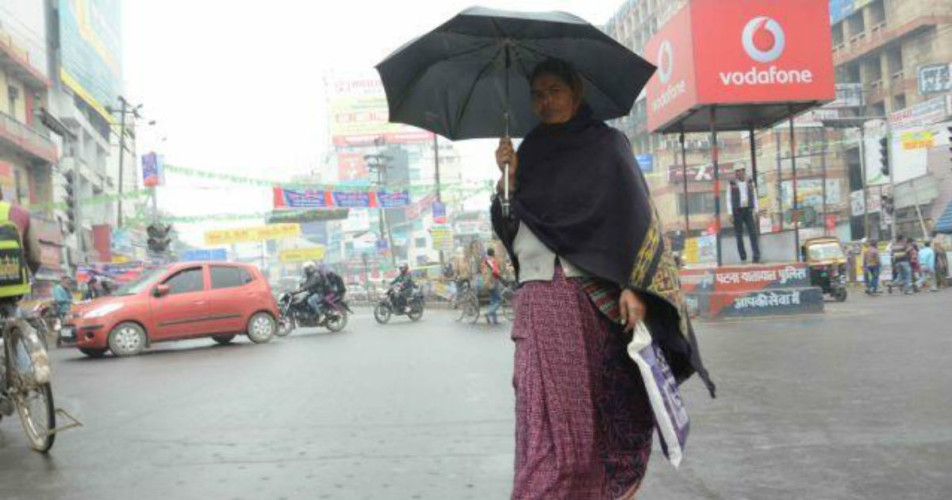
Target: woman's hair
<point>563,70</point>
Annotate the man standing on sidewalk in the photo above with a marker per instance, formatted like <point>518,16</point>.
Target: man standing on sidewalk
<point>902,270</point>
<point>871,265</point>
<point>927,267</point>
<point>742,210</point>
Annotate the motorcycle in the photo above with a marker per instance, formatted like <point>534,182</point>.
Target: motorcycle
<point>386,308</point>
<point>296,312</point>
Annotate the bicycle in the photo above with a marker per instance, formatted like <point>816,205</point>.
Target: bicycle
<point>508,300</point>
<point>466,302</point>
<point>25,379</point>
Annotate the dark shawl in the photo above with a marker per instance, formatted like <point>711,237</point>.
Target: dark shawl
<point>579,190</point>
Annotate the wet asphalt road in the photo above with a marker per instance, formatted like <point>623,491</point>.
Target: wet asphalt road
<point>853,404</point>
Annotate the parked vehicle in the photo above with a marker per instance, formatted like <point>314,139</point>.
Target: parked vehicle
<point>827,266</point>
<point>296,313</point>
<point>385,308</point>
<point>175,302</point>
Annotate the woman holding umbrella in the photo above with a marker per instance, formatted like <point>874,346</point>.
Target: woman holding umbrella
<point>587,247</point>
<point>576,218</point>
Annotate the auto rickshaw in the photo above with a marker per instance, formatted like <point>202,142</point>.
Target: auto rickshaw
<point>827,263</point>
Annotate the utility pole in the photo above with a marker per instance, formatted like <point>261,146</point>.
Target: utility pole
<point>124,108</point>
<point>378,163</point>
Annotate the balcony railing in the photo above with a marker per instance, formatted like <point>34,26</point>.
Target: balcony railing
<point>28,140</point>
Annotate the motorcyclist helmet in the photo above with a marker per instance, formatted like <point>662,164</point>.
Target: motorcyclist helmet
<point>309,269</point>
<point>404,269</point>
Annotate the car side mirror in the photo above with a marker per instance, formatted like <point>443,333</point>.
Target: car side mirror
<point>160,291</point>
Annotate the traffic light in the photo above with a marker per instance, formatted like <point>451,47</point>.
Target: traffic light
<point>949,128</point>
<point>70,188</point>
<point>884,151</point>
<point>159,237</point>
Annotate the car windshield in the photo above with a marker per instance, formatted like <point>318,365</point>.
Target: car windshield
<point>826,251</point>
<point>143,281</point>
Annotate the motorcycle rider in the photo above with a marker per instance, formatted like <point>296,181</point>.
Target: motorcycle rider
<point>334,283</point>
<point>315,285</point>
<point>405,285</point>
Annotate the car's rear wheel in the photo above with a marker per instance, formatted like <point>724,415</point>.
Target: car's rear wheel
<point>261,328</point>
<point>93,353</point>
<point>223,339</point>
<point>127,339</point>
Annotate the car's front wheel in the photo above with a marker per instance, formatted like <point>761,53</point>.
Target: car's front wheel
<point>127,339</point>
<point>262,327</point>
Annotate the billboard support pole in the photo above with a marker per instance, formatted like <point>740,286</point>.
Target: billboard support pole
<point>753,155</point>
<point>823,164</point>
<point>684,179</point>
<point>715,153</point>
<point>753,172</point>
<point>779,140</point>
<point>796,202</point>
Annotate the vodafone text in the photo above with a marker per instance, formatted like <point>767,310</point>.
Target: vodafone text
<point>670,94</point>
<point>770,76</point>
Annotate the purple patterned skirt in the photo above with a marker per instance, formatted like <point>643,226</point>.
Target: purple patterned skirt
<point>583,421</point>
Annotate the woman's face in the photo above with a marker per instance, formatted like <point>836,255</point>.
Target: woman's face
<point>553,100</point>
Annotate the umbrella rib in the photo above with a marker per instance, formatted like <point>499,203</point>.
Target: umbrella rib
<point>592,80</point>
<point>469,95</point>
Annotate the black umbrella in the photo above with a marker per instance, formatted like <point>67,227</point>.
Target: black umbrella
<point>469,78</point>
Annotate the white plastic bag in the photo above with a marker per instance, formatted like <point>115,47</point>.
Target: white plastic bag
<point>670,415</point>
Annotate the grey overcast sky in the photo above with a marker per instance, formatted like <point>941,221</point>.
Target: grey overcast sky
<point>235,86</point>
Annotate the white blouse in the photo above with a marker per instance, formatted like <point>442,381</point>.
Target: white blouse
<point>536,261</point>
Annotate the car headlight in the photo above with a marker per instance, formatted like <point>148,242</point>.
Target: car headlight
<point>103,310</point>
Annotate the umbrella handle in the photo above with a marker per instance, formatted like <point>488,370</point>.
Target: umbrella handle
<point>505,195</point>
<point>505,181</point>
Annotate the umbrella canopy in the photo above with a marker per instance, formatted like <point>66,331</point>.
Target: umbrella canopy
<point>462,78</point>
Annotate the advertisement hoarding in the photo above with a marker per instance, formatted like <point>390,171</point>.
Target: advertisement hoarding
<point>359,113</point>
<point>739,52</point>
<point>91,50</point>
<point>251,234</point>
<point>302,254</point>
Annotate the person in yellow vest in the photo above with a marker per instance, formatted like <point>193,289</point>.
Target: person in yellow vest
<point>19,251</point>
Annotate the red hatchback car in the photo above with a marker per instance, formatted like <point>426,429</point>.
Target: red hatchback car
<point>174,302</point>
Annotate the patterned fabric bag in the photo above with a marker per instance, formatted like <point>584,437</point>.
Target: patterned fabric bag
<point>670,414</point>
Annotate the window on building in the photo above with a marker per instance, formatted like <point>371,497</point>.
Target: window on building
<point>698,203</point>
<point>420,242</point>
<point>899,102</point>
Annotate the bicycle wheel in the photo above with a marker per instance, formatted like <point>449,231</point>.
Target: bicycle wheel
<point>34,402</point>
<point>471,308</point>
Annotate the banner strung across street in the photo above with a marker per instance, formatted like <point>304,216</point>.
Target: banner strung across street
<point>252,234</point>
<point>309,198</point>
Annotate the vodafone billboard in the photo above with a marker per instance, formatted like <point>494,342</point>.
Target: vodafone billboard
<point>755,60</point>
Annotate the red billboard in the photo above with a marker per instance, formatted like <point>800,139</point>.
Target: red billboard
<point>740,52</point>
<point>672,91</point>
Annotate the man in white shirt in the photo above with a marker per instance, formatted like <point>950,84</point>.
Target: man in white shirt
<point>742,209</point>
